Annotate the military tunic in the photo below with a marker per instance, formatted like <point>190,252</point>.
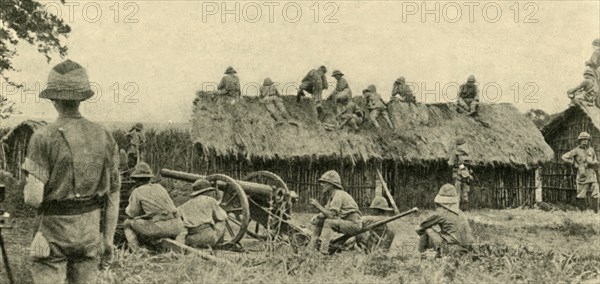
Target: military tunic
<point>77,160</point>
<point>272,100</point>
<point>454,229</point>
<point>586,161</point>
<point>204,219</point>
<point>314,82</point>
<point>468,97</point>
<point>229,86</point>
<point>154,213</point>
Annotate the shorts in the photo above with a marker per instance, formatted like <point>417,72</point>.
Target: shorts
<point>584,188</point>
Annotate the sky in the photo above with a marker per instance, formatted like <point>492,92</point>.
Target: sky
<point>147,59</point>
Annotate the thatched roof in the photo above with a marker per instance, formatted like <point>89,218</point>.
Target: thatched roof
<point>592,112</point>
<point>424,134</point>
<point>27,125</point>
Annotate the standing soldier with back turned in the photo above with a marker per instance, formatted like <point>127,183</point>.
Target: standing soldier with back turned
<point>72,167</point>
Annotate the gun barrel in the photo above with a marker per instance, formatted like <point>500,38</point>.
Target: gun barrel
<point>251,188</point>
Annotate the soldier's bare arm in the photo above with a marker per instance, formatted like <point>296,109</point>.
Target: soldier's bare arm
<point>568,157</point>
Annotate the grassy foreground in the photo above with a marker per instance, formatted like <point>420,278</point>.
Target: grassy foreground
<point>523,246</point>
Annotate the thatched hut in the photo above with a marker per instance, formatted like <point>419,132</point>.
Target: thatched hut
<point>14,146</point>
<point>561,133</point>
<point>506,147</point>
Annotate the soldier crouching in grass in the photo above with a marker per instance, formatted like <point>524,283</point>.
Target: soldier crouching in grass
<point>340,215</point>
<point>203,217</point>
<point>73,172</point>
<point>380,237</point>
<point>152,210</point>
<point>447,229</point>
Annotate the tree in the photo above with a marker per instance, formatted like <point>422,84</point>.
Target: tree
<point>27,20</point>
<point>538,116</point>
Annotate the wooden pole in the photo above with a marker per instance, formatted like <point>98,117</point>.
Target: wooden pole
<point>387,192</point>
<point>179,247</point>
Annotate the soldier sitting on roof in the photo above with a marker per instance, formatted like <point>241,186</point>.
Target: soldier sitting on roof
<point>468,97</point>
<point>314,83</point>
<point>376,106</point>
<point>403,92</point>
<point>350,114</point>
<point>588,89</point>
<point>271,98</point>
<point>229,87</point>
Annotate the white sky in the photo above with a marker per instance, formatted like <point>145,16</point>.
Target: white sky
<point>171,51</point>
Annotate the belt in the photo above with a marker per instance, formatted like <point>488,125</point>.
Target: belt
<point>71,207</point>
<point>198,229</point>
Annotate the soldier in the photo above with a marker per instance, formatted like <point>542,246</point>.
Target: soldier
<point>73,172</point>
<point>136,140</point>
<point>447,228</point>
<point>468,97</point>
<point>350,114</point>
<point>229,87</point>
<point>203,217</point>
<point>403,92</point>
<point>271,98</point>
<point>340,215</point>
<point>381,236</point>
<point>376,106</point>
<point>342,89</point>
<point>314,83</point>
<point>584,158</point>
<point>461,173</point>
<point>152,212</point>
<point>588,87</point>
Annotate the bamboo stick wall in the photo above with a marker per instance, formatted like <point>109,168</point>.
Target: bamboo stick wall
<point>559,178</point>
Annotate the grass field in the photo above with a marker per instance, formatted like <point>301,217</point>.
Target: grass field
<point>529,246</point>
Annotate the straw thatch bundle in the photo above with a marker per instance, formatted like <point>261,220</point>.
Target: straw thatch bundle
<point>424,134</point>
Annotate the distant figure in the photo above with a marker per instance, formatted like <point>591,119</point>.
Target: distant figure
<point>202,216</point>
<point>151,210</point>
<point>376,107</point>
<point>229,87</point>
<point>342,89</point>
<point>341,214</point>
<point>584,158</point>
<point>380,237</point>
<point>468,97</point>
<point>403,92</point>
<point>588,89</point>
<point>447,228</point>
<point>271,98</point>
<point>137,140</point>
<point>461,173</point>
<point>314,83</point>
<point>594,61</point>
<point>350,115</point>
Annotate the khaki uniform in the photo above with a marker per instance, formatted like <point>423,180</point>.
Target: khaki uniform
<point>204,220</point>
<point>136,145</point>
<point>78,162</point>
<point>351,115</point>
<point>377,107</point>
<point>404,93</point>
<point>445,228</point>
<point>588,87</point>
<point>314,82</point>
<point>271,98</point>
<point>153,212</point>
<point>462,177</point>
<point>229,86</point>
<point>380,237</point>
<point>468,98</point>
<point>342,90</point>
<point>586,162</point>
<point>347,221</point>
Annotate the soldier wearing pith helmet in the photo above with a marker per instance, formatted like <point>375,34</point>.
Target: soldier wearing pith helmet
<point>584,159</point>
<point>73,172</point>
<point>340,214</point>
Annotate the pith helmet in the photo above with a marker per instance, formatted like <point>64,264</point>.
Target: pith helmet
<point>201,186</point>
<point>230,70</point>
<point>323,68</point>
<point>371,88</point>
<point>139,126</point>
<point>589,71</point>
<point>268,82</point>
<point>67,81</point>
<point>596,42</point>
<point>584,135</point>
<point>447,195</point>
<point>471,78</point>
<point>142,170</point>
<point>337,73</point>
<point>380,203</point>
<point>332,177</point>
<point>401,80</point>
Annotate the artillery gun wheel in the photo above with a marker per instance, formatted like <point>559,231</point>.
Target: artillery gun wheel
<point>281,196</point>
<point>235,202</point>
